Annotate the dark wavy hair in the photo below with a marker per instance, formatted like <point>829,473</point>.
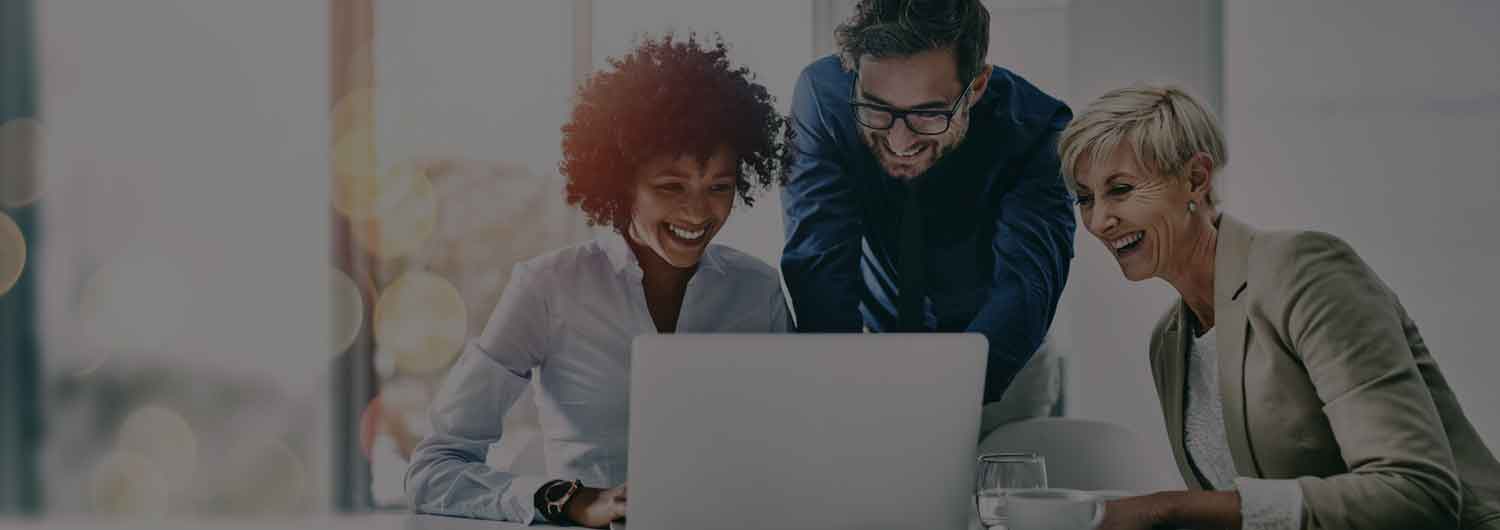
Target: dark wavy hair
<point>898,28</point>
<point>668,97</point>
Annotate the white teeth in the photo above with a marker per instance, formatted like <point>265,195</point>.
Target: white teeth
<point>1122,242</point>
<point>907,154</point>
<point>684,234</point>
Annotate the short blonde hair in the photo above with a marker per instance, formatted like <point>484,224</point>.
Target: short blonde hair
<point>1162,124</point>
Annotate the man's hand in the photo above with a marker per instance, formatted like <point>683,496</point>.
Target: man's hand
<point>596,508</point>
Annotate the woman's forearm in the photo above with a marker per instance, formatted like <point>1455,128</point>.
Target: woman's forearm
<point>1199,509</point>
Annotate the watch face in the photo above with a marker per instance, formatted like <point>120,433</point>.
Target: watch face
<point>557,491</point>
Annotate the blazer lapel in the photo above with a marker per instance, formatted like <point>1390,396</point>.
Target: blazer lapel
<point>1231,260</point>
<point>1173,359</point>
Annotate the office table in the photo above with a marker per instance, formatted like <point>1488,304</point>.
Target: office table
<point>373,521</point>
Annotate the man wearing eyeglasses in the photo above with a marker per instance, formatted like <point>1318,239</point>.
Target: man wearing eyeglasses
<point>924,193</point>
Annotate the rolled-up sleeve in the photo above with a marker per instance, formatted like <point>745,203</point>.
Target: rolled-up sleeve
<point>1033,245</point>
<point>448,474</point>
<point>820,261</point>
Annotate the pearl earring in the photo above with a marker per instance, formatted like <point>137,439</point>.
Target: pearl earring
<point>1192,206</point>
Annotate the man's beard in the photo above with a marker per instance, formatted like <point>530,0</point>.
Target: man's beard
<point>887,160</point>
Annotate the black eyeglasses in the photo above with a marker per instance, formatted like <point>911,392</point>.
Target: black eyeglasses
<point>922,121</point>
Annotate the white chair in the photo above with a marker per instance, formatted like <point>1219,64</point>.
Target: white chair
<point>1035,392</point>
<point>1087,455</point>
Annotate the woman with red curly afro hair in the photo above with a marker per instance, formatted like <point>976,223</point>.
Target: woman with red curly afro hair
<point>659,146</point>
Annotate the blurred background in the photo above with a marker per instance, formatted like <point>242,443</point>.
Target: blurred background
<point>241,242</point>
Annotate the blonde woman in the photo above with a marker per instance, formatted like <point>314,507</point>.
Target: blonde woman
<point>1297,391</point>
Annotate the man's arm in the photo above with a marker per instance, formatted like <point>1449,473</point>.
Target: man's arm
<point>1033,246</point>
<point>820,262</point>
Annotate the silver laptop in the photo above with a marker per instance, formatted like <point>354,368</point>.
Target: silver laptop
<point>808,432</point>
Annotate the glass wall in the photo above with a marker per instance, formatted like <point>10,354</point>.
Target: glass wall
<point>179,257</point>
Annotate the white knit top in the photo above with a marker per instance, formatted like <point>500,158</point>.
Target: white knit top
<point>1264,504</point>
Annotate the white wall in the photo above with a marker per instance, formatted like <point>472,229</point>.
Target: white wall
<point>1105,322</point>
<point>1332,124</point>
<point>486,81</point>
<point>1379,122</point>
<point>1030,38</point>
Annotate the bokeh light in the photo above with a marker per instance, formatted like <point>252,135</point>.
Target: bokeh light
<point>164,438</point>
<point>126,483</point>
<point>391,427</point>
<point>404,227</point>
<point>379,422</point>
<point>266,475</point>
<point>405,397</point>
<point>387,472</point>
<point>138,300</point>
<point>291,472</point>
<point>385,364</point>
<point>12,253</point>
<point>360,190</point>
<point>398,414</point>
<point>348,311</point>
<point>356,110</point>
<point>20,144</point>
<point>354,152</point>
<point>421,320</point>
<point>371,423</point>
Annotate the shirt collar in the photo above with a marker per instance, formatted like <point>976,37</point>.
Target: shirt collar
<point>622,259</point>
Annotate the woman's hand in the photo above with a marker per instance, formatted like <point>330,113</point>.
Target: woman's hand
<point>1132,513</point>
<point>596,508</point>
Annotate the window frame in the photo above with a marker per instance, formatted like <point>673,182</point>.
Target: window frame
<point>20,362</point>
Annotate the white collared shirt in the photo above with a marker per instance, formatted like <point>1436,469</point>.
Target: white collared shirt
<point>565,324</point>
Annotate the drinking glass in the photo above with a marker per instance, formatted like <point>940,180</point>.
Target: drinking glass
<point>1000,473</point>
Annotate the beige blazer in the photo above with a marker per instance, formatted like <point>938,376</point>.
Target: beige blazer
<point>1326,380</point>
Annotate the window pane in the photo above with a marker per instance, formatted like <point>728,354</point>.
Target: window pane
<point>182,257</point>
<point>483,80</point>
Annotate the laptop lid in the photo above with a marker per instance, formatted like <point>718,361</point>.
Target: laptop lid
<point>810,431</point>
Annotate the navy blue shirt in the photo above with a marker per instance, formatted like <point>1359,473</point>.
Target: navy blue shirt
<point>998,221</point>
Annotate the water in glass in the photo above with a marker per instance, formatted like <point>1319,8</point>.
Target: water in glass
<point>1002,472</point>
